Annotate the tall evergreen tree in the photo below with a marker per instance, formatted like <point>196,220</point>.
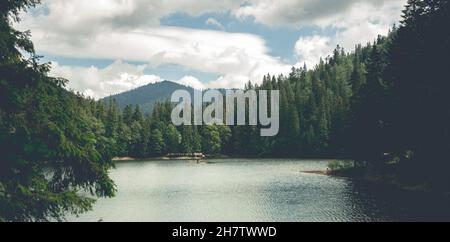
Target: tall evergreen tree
<point>157,143</point>
<point>55,148</point>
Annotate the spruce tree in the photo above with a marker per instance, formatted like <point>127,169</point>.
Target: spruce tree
<point>55,148</point>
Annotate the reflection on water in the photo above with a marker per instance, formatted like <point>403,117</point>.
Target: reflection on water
<point>253,190</point>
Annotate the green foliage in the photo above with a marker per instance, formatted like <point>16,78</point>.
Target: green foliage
<point>212,143</point>
<point>55,147</point>
<point>341,165</point>
<point>418,100</point>
<point>187,139</point>
<point>191,140</point>
<point>128,115</point>
<point>156,142</point>
<point>172,139</point>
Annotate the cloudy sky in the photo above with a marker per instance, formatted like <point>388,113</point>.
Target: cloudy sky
<point>108,46</point>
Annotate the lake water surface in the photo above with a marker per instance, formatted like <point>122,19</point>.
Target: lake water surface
<point>264,190</point>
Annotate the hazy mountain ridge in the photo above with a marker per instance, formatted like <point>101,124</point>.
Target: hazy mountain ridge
<point>146,96</point>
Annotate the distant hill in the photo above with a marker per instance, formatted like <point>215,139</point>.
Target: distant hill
<point>147,96</point>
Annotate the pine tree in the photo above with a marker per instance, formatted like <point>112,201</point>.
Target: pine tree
<point>157,145</point>
<point>111,123</point>
<point>211,141</point>
<point>172,139</point>
<point>187,139</point>
<point>46,131</point>
<point>128,115</point>
<point>196,140</point>
<point>137,115</point>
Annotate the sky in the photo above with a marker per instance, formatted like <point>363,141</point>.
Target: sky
<point>105,47</point>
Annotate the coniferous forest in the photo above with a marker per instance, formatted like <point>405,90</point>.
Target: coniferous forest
<point>384,105</point>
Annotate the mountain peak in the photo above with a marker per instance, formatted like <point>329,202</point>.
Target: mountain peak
<point>146,96</point>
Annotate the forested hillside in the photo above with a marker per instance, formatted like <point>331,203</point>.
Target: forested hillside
<point>315,111</point>
<point>147,96</point>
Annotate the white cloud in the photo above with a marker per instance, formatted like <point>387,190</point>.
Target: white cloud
<point>214,22</point>
<point>98,83</point>
<point>116,78</point>
<point>310,49</point>
<point>130,30</point>
<point>121,76</point>
<point>209,51</point>
<point>90,16</point>
<point>299,13</point>
<point>191,82</point>
<point>364,23</point>
<point>361,24</point>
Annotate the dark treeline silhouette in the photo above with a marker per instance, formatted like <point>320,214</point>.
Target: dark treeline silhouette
<point>384,105</point>
<point>52,147</point>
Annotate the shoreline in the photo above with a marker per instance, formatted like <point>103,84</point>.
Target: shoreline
<point>119,159</point>
<point>318,172</point>
<point>379,180</point>
<point>214,157</point>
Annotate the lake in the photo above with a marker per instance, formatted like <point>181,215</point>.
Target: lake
<point>246,190</point>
